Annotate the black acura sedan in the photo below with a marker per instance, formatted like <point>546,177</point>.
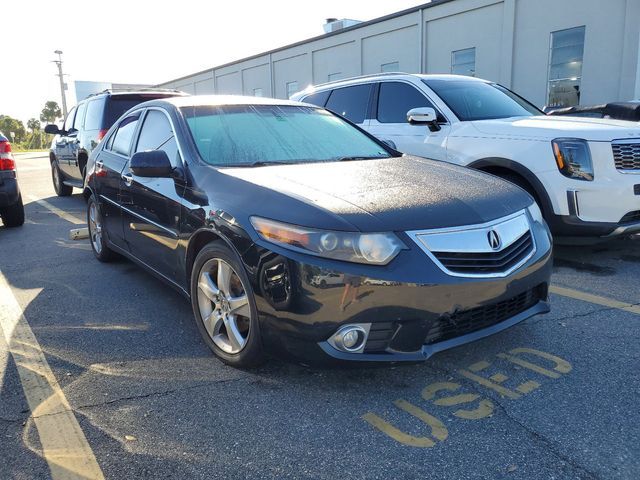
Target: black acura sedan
<point>292,230</point>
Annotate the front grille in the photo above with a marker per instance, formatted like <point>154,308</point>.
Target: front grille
<point>468,321</point>
<point>489,262</point>
<point>379,336</point>
<point>626,155</point>
<point>631,217</point>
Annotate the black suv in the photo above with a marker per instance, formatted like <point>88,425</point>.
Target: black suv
<point>11,209</point>
<point>83,129</point>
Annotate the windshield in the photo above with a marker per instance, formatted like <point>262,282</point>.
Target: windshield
<point>237,135</point>
<point>473,100</point>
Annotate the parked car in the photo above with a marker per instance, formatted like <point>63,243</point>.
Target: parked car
<point>11,208</point>
<point>584,173</point>
<point>240,202</point>
<point>83,129</point>
<point>615,110</point>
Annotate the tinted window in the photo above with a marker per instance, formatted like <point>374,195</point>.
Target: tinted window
<point>156,134</point>
<point>78,122</point>
<point>121,142</point>
<point>93,119</point>
<point>119,104</point>
<point>473,100</point>
<point>68,123</point>
<point>318,99</point>
<point>350,102</point>
<point>397,98</point>
<point>244,134</point>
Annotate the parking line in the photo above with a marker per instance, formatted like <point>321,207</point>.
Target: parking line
<point>64,446</point>
<point>597,299</point>
<point>55,210</point>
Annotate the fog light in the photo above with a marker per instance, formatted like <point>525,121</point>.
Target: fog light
<point>351,338</point>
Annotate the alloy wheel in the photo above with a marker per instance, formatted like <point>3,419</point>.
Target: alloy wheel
<point>95,228</point>
<point>224,306</point>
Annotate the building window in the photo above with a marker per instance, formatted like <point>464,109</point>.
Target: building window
<point>292,87</point>
<point>257,92</point>
<point>565,67</point>
<point>334,76</point>
<point>463,62</point>
<point>390,67</point>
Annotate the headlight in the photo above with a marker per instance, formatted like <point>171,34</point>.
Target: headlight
<point>536,214</point>
<point>373,248</point>
<point>573,158</point>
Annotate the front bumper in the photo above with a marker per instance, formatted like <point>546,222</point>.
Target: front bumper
<point>9,191</point>
<point>405,302</point>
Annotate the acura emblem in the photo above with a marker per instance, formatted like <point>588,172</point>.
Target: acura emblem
<point>494,239</point>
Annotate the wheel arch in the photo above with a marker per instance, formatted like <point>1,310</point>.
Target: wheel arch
<point>197,242</point>
<point>498,166</point>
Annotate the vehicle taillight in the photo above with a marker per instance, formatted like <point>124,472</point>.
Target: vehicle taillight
<point>102,133</point>
<point>6,159</point>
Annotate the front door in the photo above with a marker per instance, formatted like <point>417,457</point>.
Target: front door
<point>151,206</point>
<point>395,99</point>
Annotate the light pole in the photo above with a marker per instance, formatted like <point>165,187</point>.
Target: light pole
<point>64,98</point>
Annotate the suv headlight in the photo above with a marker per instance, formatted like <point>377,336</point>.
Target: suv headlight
<point>573,158</point>
<point>372,248</point>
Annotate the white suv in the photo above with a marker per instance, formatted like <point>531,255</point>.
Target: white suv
<point>584,172</point>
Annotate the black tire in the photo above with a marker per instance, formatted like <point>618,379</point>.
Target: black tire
<point>99,244</point>
<point>252,354</point>
<point>61,189</point>
<point>323,284</point>
<point>13,215</point>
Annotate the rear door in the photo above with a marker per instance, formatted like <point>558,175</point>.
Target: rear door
<point>395,99</point>
<point>151,206</point>
<point>110,163</point>
<point>352,103</point>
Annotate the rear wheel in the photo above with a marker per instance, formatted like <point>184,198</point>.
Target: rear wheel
<point>13,215</point>
<point>224,307</point>
<point>96,233</point>
<point>61,189</point>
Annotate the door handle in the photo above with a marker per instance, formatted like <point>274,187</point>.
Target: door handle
<point>128,179</point>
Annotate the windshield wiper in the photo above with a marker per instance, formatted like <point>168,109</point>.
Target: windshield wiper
<point>260,163</point>
<point>357,157</point>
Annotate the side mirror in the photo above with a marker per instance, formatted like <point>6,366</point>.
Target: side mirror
<point>390,144</point>
<point>52,129</point>
<point>423,116</point>
<point>152,163</point>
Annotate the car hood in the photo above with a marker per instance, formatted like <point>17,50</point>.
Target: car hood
<point>394,194</point>
<point>548,128</point>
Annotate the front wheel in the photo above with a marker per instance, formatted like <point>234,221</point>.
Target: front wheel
<point>96,234</point>
<point>13,215</point>
<point>61,189</point>
<point>224,307</point>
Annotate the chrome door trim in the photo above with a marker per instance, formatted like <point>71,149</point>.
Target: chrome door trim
<point>137,215</point>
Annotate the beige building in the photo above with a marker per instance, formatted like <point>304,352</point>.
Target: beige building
<point>552,52</point>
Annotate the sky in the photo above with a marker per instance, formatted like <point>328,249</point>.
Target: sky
<point>139,41</point>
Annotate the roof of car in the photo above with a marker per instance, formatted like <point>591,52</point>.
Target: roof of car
<point>140,91</point>
<point>386,76</point>
<point>219,100</point>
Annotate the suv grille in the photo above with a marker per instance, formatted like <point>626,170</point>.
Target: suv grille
<point>626,155</point>
<point>490,262</point>
<point>469,321</point>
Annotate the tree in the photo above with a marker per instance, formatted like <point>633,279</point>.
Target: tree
<point>34,125</point>
<point>50,112</point>
<point>10,125</point>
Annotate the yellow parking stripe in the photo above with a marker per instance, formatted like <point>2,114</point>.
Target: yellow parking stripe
<point>56,211</point>
<point>64,446</point>
<point>597,299</point>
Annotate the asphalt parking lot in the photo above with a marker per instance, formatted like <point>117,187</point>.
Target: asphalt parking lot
<point>104,361</point>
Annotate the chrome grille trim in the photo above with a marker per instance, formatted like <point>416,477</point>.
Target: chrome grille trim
<point>450,248</point>
<point>626,155</point>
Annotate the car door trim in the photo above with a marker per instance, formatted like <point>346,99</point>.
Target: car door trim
<point>137,215</point>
